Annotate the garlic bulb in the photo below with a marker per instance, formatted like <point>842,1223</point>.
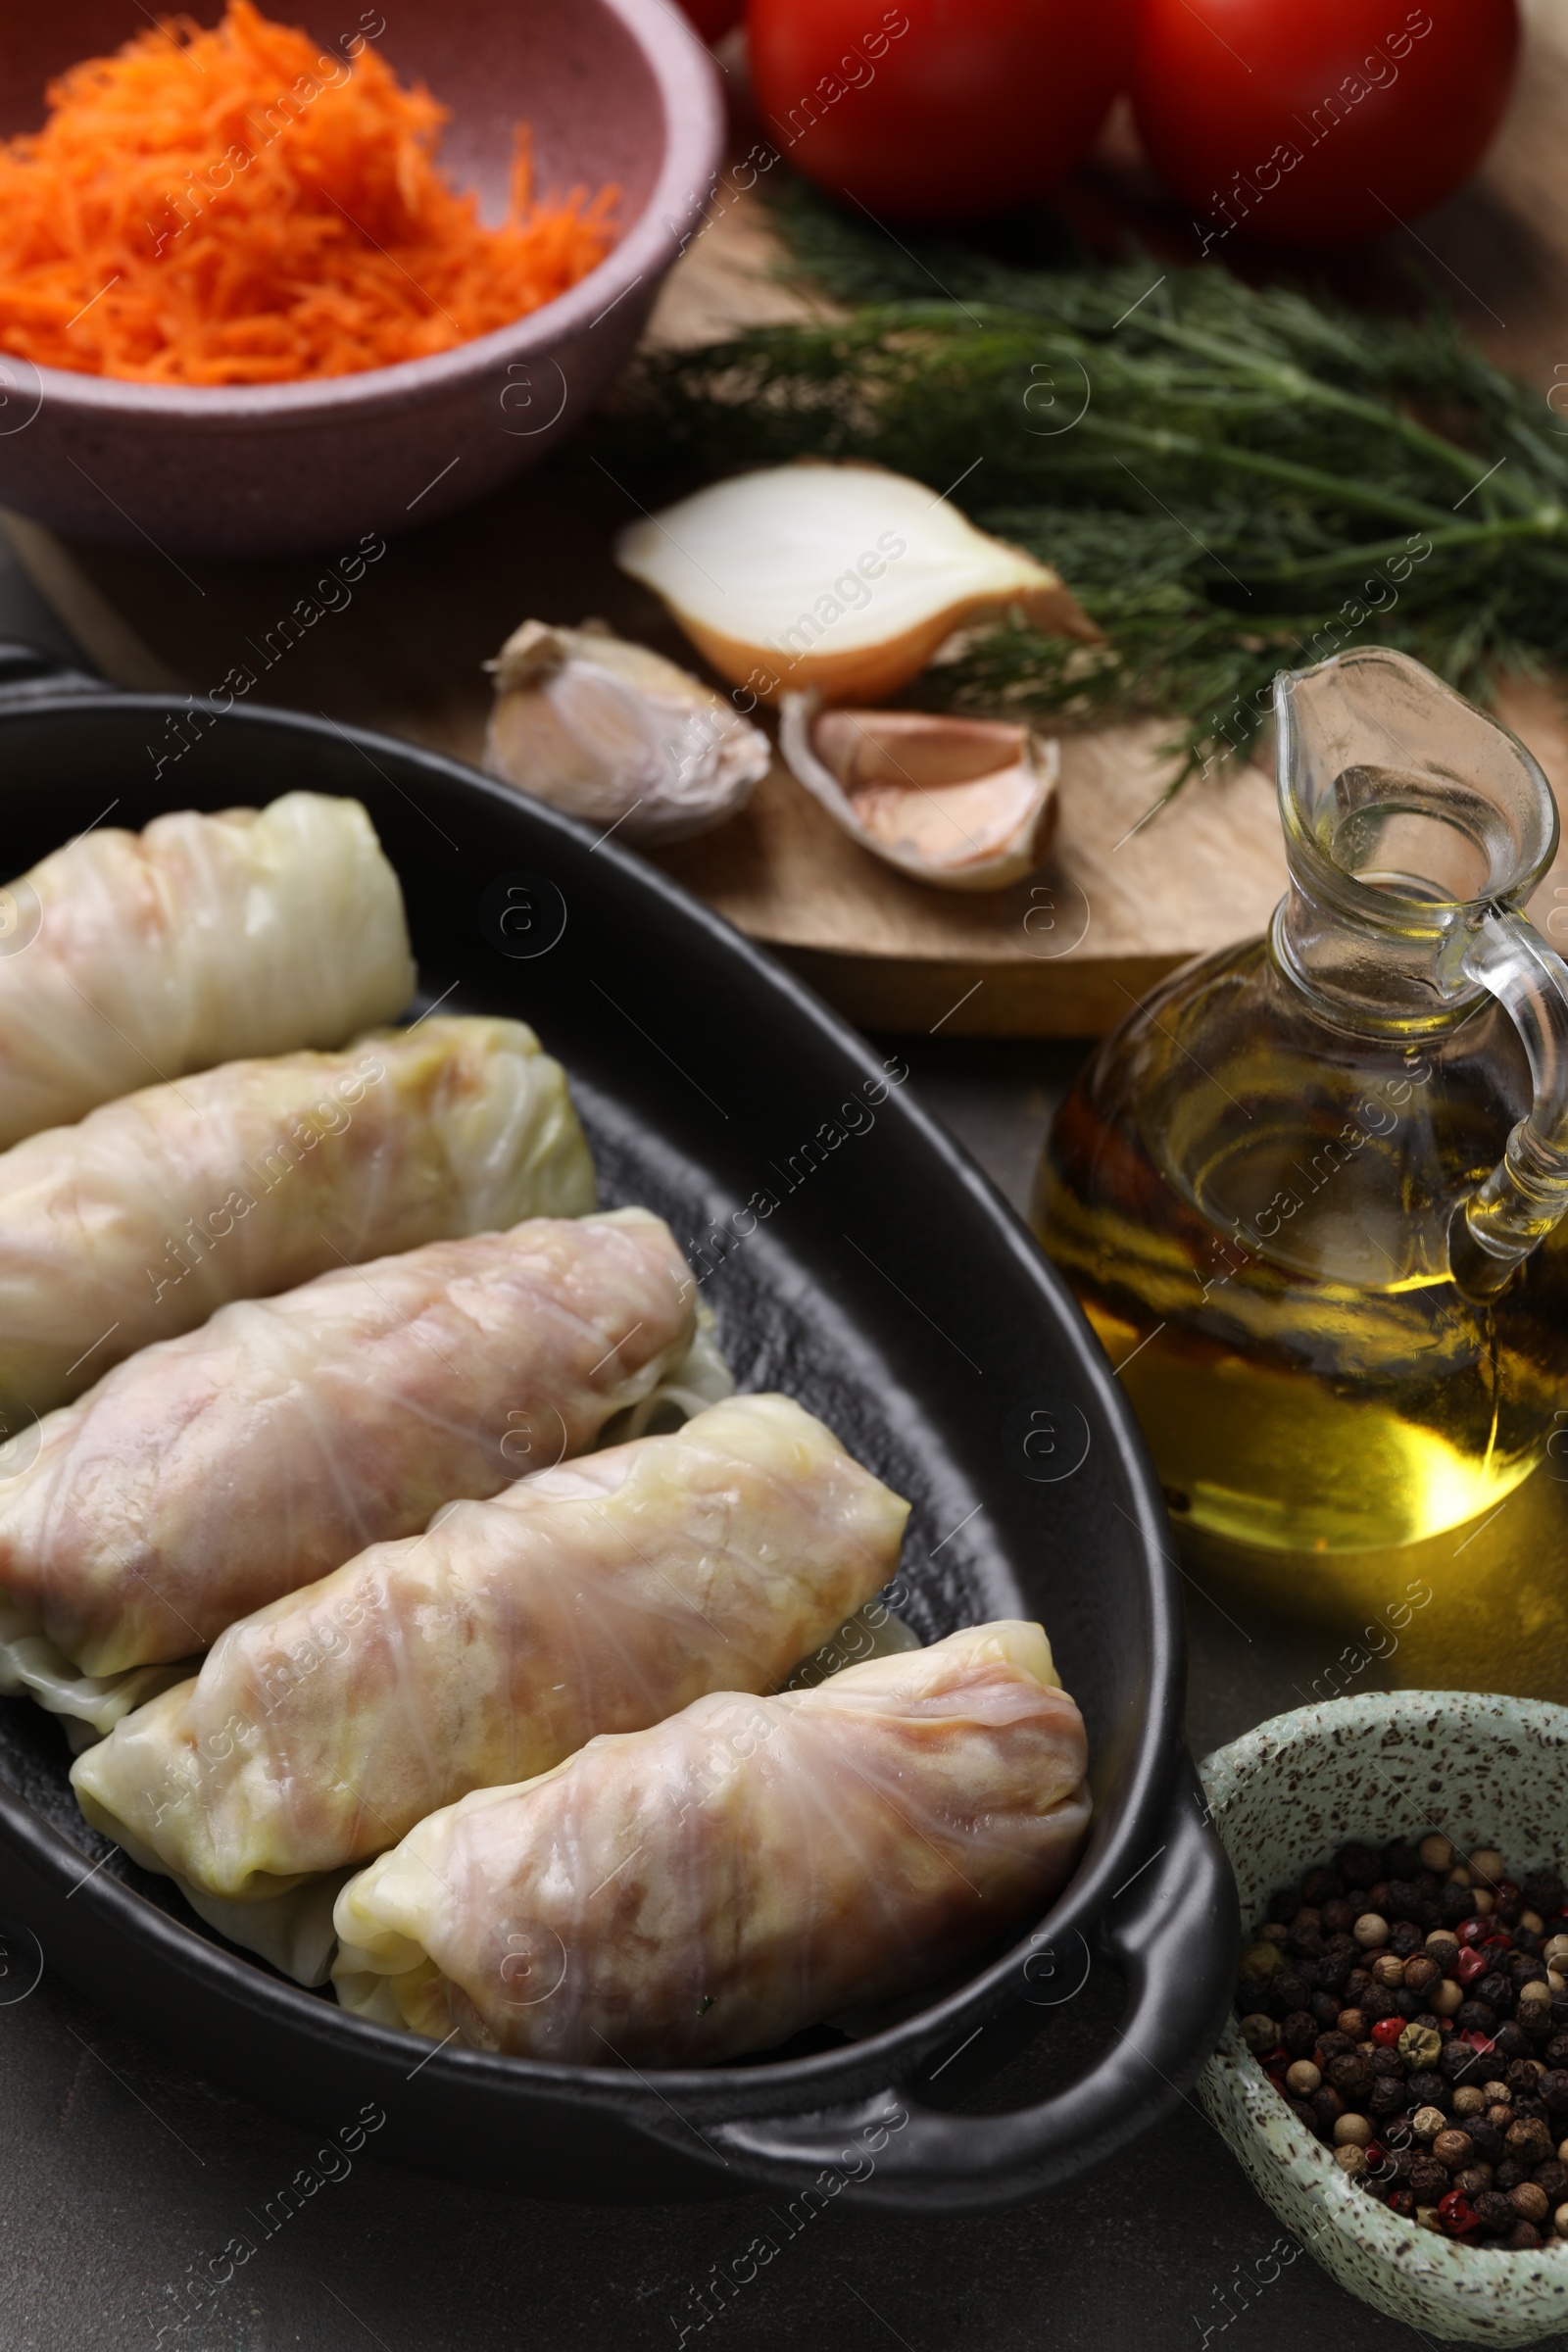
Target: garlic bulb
<point>838,579</point>
<point>616,735</point>
<point>966,803</point>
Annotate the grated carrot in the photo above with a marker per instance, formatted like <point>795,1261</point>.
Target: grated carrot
<point>231,206</point>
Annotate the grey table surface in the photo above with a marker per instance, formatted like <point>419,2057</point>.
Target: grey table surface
<point>123,2171</point>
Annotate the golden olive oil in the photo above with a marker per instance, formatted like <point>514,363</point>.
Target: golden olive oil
<point>1260,1246</point>
<point>1312,1194</point>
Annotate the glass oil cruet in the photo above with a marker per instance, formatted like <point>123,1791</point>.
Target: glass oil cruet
<point>1302,1193</point>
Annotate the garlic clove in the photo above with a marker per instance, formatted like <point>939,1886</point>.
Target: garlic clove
<point>963,804</point>
<point>614,734</point>
<point>835,579</point>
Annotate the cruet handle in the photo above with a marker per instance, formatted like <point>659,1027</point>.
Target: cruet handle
<point>1494,1228</point>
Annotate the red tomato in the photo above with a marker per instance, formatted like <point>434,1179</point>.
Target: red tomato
<point>713,18</point>
<point>1320,122</point>
<point>938,109</point>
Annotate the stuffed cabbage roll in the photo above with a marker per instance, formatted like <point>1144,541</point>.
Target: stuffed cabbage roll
<point>133,1225</point>
<point>709,1887</point>
<point>127,958</point>
<point>596,1597</point>
<point>215,1472</point>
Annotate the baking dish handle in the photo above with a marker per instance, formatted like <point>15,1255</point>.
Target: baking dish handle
<point>1174,1934</point>
<point>36,670</point>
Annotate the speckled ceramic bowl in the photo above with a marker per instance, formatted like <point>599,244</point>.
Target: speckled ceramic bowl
<point>1486,1771</point>
<point>613,90</point>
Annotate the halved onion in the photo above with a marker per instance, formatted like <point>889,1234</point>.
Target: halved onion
<point>966,803</point>
<point>839,579</point>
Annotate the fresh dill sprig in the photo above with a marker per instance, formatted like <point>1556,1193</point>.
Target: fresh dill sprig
<point>1231,479</point>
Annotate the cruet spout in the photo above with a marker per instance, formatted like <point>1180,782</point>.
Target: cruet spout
<point>1416,828</point>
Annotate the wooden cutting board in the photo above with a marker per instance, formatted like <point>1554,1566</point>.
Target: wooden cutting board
<point>1125,895</point>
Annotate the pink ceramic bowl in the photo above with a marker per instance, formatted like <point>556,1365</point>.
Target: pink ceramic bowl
<point>613,90</point>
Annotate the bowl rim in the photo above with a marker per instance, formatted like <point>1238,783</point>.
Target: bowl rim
<point>1384,2238</point>
<point>691,108</point>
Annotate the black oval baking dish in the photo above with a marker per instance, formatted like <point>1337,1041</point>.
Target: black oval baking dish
<point>895,1294</point>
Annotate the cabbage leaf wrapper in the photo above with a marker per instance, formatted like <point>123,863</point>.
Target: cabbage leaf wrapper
<point>675,1896</point>
<point>213,1473</point>
<point>599,1595</point>
<point>135,1224</point>
<point>126,957</point>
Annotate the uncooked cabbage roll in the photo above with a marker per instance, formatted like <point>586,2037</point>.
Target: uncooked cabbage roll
<point>133,1225</point>
<point>127,958</point>
<point>596,1597</point>
<point>213,1473</point>
<point>753,1866</point>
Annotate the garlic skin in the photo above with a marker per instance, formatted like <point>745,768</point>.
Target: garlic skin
<point>841,580</point>
<point>963,803</point>
<point>614,734</point>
